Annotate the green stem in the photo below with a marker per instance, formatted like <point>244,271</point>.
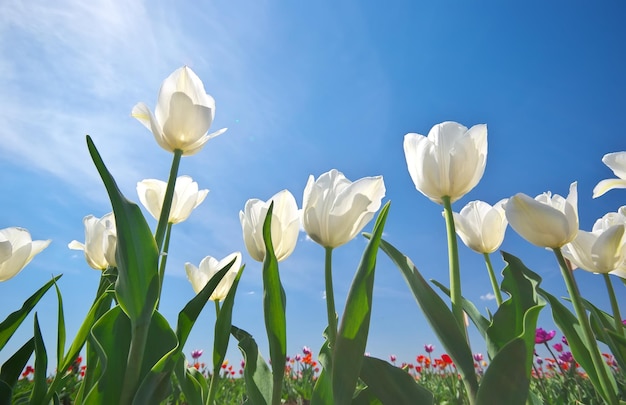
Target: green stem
<point>592,345</point>
<point>163,256</point>
<point>455,272</point>
<point>492,278</point>
<point>216,368</point>
<point>617,317</point>
<point>167,201</point>
<point>555,359</point>
<point>134,362</point>
<point>330,299</point>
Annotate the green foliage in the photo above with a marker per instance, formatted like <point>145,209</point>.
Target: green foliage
<point>257,375</point>
<point>392,385</point>
<point>11,369</point>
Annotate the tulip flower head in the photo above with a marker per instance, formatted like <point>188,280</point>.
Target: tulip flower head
<point>186,197</point>
<point>285,225</point>
<point>542,336</point>
<point>17,249</point>
<point>480,226</point>
<point>601,251</point>
<point>100,241</point>
<point>209,266</point>
<point>335,210</point>
<point>183,115</point>
<point>196,354</point>
<point>450,161</point>
<point>429,348</point>
<point>548,220</point>
<point>617,162</point>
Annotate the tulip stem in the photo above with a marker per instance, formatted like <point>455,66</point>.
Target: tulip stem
<point>617,317</point>
<point>166,246</point>
<point>330,299</point>
<point>167,201</point>
<point>134,361</point>
<point>608,386</point>
<point>494,281</point>
<point>455,272</point>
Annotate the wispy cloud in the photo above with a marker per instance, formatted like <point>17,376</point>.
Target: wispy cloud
<point>488,297</point>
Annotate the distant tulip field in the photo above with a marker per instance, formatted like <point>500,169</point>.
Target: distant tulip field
<point>126,352</point>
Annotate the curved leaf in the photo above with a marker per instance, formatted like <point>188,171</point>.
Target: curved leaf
<point>11,370</point>
<point>41,367</point>
<point>506,380</point>
<point>392,385</point>
<point>256,374</point>
<point>354,327</point>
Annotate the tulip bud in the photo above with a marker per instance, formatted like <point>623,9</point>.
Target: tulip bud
<point>480,226</point>
<point>335,210</point>
<point>100,241</point>
<point>186,197</point>
<point>17,249</point>
<point>546,221</point>
<point>209,266</point>
<point>183,115</point>
<point>450,161</point>
<point>285,225</point>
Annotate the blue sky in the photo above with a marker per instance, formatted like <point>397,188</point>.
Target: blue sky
<point>303,88</point>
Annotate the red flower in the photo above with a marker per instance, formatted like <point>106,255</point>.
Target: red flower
<point>446,359</point>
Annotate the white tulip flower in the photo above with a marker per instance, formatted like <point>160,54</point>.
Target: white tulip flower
<point>183,115</point>
<point>17,249</point>
<point>335,210</point>
<point>548,220</point>
<point>598,252</point>
<point>480,226</point>
<point>100,241</point>
<point>186,197</point>
<point>617,162</point>
<point>449,162</point>
<point>209,266</point>
<point>285,225</point>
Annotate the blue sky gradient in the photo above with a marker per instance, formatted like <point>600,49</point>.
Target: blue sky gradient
<point>303,88</point>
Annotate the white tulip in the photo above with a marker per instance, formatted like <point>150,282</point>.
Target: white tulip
<point>480,226</point>
<point>100,241</point>
<point>17,249</point>
<point>183,115</point>
<point>598,252</point>
<point>617,162</point>
<point>450,161</point>
<point>186,197</point>
<point>209,266</point>
<point>285,225</point>
<point>335,210</point>
<point>548,220</point>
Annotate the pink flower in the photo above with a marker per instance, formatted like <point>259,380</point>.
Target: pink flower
<point>541,336</point>
<point>558,347</point>
<point>306,350</point>
<point>393,358</point>
<point>195,354</point>
<point>478,357</point>
<point>429,348</point>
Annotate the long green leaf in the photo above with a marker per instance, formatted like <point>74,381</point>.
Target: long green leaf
<point>323,389</point>
<point>256,374</point>
<point>355,322</point>
<point>439,317</point>
<point>41,367</point>
<point>15,319</point>
<point>11,370</point>
<point>392,385</point>
<point>517,316</point>
<point>603,327</point>
<point>274,303</point>
<point>506,380</point>
<point>193,385</point>
<point>223,324</point>
<point>470,309</point>
<point>60,330</point>
<point>137,287</point>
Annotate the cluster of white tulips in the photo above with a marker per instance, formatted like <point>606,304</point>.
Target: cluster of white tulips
<point>136,365</point>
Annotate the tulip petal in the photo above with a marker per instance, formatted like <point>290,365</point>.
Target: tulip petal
<point>538,223</point>
<point>186,122</point>
<point>616,161</point>
<point>606,185</point>
<point>578,251</point>
<point>5,251</point>
<point>608,251</point>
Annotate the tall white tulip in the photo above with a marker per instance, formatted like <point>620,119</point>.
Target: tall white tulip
<point>285,225</point>
<point>617,162</point>
<point>548,220</point>
<point>186,197</point>
<point>17,249</point>
<point>209,266</point>
<point>450,161</point>
<point>183,115</point>
<point>335,210</point>
<point>480,226</point>
<point>598,252</point>
<point>100,241</point>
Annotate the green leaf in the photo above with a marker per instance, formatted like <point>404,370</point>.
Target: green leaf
<point>439,316</point>
<point>603,327</point>
<point>192,383</point>
<point>355,322</point>
<point>571,328</point>
<point>470,309</point>
<point>60,330</point>
<point>517,316</point>
<point>137,287</point>
<point>14,320</point>
<point>274,302</point>
<point>323,389</point>
<point>223,324</point>
<point>11,370</point>
<point>256,374</point>
<point>506,380</point>
<point>41,367</point>
<point>392,385</point>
